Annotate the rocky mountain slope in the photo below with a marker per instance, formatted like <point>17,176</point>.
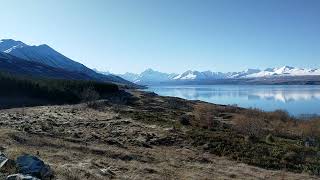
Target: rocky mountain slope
<point>15,65</point>
<point>43,55</point>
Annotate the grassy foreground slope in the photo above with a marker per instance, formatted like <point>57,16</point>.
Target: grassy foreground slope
<point>153,137</point>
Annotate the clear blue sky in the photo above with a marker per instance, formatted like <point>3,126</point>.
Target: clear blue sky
<point>170,35</point>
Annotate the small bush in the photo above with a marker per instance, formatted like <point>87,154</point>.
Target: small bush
<point>270,139</point>
<point>185,120</point>
<point>204,116</point>
<point>249,126</point>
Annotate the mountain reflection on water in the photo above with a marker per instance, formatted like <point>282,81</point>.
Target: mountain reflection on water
<point>296,100</point>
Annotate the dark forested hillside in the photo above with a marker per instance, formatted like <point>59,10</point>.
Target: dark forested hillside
<point>29,91</point>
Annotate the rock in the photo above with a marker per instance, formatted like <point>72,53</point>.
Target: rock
<point>310,142</point>
<point>3,160</point>
<point>7,165</point>
<point>2,148</point>
<point>107,172</point>
<point>206,146</point>
<point>31,165</point>
<point>21,177</point>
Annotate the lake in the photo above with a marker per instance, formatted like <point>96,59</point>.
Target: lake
<point>297,100</point>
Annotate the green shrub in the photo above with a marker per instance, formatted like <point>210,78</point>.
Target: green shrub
<point>270,139</point>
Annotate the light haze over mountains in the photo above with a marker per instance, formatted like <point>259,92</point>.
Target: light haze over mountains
<point>150,76</point>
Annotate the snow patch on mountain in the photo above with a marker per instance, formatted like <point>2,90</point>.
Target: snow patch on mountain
<point>285,71</point>
<point>150,76</point>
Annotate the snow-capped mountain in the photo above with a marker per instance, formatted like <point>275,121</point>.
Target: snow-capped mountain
<point>243,74</point>
<point>148,76</point>
<point>14,65</point>
<point>45,55</point>
<point>285,71</point>
<point>42,54</point>
<point>154,77</point>
<point>196,75</point>
<point>249,73</point>
<point>130,76</point>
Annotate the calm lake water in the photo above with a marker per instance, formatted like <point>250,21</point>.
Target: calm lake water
<point>297,100</point>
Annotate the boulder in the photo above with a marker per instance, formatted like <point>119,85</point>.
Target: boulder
<point>21,177</point>
<point>31,165</point>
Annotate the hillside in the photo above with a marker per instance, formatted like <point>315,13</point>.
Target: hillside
<point>49,62</point>
<point>20,91</point>
<point>154,137</point>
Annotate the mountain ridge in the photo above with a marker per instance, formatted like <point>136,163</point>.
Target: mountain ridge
<point>50,59</point>
<point>284,72</point>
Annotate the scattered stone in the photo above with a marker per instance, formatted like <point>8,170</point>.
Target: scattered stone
<point>3,160</point>
<point>310,142</point>
<point>2,148</point>
<point>21,177</point>
<point>150,171</point>
<point>31,165</point>
<point>206,146</point>
<point>107,172</point>
<point>7,165</point>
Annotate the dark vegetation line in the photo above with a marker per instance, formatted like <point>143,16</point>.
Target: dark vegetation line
<point>52,91</point>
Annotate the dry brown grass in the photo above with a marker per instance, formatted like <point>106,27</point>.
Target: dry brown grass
<point>204,116</point>
<point>310,128</point>
<point>279,123</point>
<point>252,127</point>
<point>84,143</point>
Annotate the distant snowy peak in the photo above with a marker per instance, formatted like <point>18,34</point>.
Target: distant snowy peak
<point>285,71</point>
<point>197,75</point>
<point>188,75</point>
<point>130,77</point>
<point>150,76</point>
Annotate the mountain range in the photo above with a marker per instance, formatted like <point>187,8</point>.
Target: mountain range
<point>285,74</point>
<point>19,58</point>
